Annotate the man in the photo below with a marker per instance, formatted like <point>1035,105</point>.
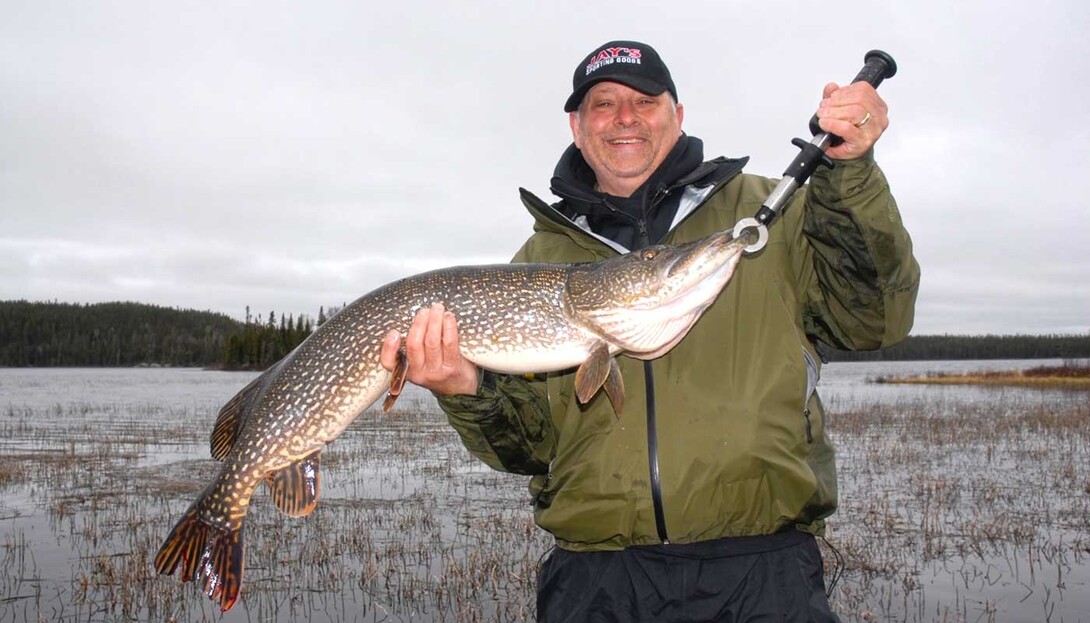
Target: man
<point>701,503</point>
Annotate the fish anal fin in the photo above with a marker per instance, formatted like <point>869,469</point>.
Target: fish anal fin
<point>397,378</point>
<point>294,489</point>
<point>600,369</point>
<point>213,555</point>
<point>233,415</point>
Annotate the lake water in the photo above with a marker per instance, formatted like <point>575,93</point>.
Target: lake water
<point>100,433</point>
<point>844,383</point>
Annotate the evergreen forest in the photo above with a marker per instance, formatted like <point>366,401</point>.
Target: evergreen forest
<point>42,334</point>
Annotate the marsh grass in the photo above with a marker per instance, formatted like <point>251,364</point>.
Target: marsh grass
<point>409,526</point>
<point>977,512</point>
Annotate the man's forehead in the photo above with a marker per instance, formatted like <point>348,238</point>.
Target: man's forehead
<point>608,86</point>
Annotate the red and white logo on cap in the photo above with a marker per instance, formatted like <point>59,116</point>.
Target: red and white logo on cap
<point>608,56</point>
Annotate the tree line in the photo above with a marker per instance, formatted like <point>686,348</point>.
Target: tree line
<point>260,344</point>
<point>134,334</point>
<point>940,347</point>
<point>44,334</point>
<point>109,334</point>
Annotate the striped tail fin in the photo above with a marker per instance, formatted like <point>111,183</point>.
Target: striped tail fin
<point>210,554</point>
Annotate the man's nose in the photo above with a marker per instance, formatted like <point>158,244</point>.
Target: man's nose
<point>626,114</point>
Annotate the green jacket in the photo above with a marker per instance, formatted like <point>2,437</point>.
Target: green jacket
<point>740,442</point>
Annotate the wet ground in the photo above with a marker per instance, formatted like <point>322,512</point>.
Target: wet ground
<point>954,507</point>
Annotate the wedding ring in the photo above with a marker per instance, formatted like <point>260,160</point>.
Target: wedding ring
<point>863,121</point>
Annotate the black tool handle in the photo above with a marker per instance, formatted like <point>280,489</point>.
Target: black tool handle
<point>877,66</point>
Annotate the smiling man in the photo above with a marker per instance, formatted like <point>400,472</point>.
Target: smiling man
<point>625,134</point>
<point>703,501</point>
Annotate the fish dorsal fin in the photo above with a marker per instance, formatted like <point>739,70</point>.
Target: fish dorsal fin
<point>600,369</point>
<point>233,414</point>
<point>294,489</point>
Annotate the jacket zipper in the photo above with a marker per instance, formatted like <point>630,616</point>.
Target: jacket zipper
<point>652,422</point>
<point>653,456</point>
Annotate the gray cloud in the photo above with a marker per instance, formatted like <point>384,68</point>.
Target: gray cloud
<point>219,156</point>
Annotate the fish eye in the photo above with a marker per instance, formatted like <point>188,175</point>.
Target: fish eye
<point>648,254</point>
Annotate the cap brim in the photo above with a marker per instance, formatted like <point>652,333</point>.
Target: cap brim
<point>649,87</point>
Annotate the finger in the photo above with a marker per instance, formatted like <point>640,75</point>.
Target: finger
<point>840,110</point>
<point>842,126</point>
<point>390,345</point>
<point>433,338</point>
<point>854,93</point>
<point>857,141</point>
<point>451,353</point>
<point>414,339</point>
<point>859,95</point>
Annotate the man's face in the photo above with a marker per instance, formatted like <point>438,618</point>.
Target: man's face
<point>625,134</point>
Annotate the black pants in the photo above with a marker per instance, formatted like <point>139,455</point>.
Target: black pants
<point>765,578</point>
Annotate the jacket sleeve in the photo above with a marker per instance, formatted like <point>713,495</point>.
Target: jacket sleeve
<point>506,425</point>
<point>861,290</point>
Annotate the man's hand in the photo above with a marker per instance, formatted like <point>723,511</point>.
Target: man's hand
<point>435,363</point>
<point>856,114</point>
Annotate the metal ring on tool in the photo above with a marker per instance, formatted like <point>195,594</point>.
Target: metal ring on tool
<point>762,233</point>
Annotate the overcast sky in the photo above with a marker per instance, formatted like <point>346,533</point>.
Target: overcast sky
<point>287,156</point>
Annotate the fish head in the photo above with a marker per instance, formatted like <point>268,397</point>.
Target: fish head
<point>645,301</point>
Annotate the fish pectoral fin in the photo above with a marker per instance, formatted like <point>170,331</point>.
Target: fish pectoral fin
<point>600,369</point>
<point>397,378</point>
<point>233,414</point>
<point>211,554</point>
<point>294,489</point>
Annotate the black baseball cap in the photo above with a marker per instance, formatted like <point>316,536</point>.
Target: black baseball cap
<point>631,63</point>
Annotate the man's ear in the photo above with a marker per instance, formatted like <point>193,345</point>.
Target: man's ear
<point>573,121</point>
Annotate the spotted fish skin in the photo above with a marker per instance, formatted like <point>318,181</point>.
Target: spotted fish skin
<point>512,318</point>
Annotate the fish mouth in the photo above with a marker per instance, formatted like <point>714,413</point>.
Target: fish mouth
<point>709,251</point>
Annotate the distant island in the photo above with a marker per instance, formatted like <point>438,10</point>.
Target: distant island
<point>1067,376</point>
<point>126,334</point>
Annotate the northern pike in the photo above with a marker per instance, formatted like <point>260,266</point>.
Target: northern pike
<point>512,318</point>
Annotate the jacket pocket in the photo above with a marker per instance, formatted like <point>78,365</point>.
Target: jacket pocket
<point>812,377</point>
<point>813,371</point>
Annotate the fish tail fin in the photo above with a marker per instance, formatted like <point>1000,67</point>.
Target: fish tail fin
<point>212,554</point>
